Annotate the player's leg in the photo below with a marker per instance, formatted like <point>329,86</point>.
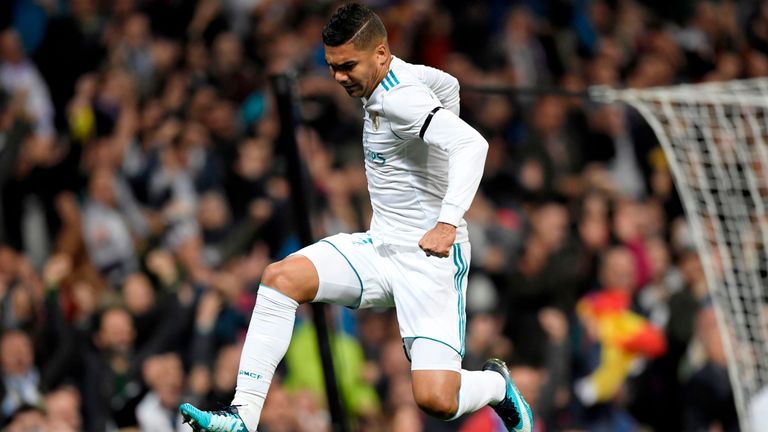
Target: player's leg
<point>444,390</point>
<point>436,392</point>
<point>284,285</point>
<point>332,271</point>
<point>430,310</point>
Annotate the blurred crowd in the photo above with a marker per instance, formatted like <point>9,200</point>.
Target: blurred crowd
<point>143,191</point>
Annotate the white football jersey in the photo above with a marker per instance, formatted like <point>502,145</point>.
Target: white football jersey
<point>423,163</point>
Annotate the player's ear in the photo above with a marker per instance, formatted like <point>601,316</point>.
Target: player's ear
<point>382,53</point>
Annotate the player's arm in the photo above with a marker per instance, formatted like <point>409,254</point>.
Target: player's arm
<point>415,113</point>
<point>466,160</point>
<point>444,85</point>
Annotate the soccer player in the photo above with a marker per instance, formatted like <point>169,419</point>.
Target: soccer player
<point>423,165</point>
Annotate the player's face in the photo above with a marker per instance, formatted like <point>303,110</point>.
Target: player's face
<point>355,69</point>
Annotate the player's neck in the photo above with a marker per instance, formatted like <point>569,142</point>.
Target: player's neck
<point>380,74</point>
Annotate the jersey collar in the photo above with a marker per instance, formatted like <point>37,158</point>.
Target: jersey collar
<point>383,84</point>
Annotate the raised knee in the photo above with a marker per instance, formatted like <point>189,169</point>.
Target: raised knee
<point>275,278</point>
<point>436,404</point>
<point>290,279</point>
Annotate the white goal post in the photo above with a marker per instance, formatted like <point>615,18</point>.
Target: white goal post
<point>715,138</point>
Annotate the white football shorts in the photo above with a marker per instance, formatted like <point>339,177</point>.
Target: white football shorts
<point>428,292</point>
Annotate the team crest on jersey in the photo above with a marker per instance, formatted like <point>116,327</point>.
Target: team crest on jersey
<point>375,121</point>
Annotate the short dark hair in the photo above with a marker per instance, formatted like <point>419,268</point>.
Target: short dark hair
<point>354,23</point>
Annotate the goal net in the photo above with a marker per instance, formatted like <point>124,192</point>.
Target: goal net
<point>715,137</point>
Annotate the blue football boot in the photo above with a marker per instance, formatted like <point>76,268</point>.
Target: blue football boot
<point>513,409</point>
<point>227,420</point>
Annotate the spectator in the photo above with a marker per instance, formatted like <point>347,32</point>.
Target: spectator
<point>27,418</point>
<point>63,410</point>
<point>614,338</point>
<point>157,317</point>
<point>134,51</point>
<point>551,159</point>
<point>112,379</point>
<point>18,75</point>
<point>231,72</point>
<point>109,232</point>
<point>215,224</point>
<point>198,159</point>
<point>542,279</point>
<point>21,379</point>
<point>709,397</point>
<point>158,410</point>
<point>23,291</point>
<point>627,227</point>
<point>523,51</point>
<point>611,135</point>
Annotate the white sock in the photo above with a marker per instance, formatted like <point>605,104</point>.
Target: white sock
<point>478,389</point>
<point>269,335</point>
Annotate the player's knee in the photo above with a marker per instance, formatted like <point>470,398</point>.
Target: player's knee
<point>283,276</point>
<point>273,276</point>
<point>442,405</point>
<point>276,277</point>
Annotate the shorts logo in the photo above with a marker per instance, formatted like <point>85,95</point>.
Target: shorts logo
<point>249,374</point>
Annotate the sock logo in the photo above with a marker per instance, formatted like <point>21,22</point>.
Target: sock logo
<point>249,374</point>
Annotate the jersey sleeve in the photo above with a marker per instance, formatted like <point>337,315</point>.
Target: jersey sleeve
<point>444,85</point>
<point>408,107</point>
<point>466,150</point>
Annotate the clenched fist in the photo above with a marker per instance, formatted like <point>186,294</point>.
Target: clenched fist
<point>438,241</point>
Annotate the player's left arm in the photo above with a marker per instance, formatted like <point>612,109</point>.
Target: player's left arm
<point>445,86</point>
<point>414,114</point>
<point>466,159</point>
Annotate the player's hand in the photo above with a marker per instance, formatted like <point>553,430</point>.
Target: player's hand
<point>438,241</point>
